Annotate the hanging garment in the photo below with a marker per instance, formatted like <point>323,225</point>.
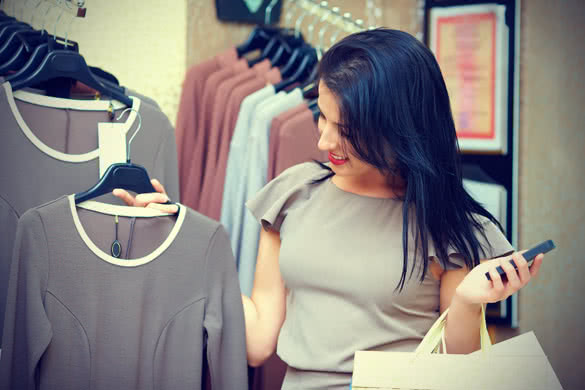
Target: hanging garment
<point>231,205</point>
<point>198,154</point>
<point>49,147</point>
<point>214,178</point>
<point>296,142</point>
<point>79,318</point>
<point>190,106</point>
<point>256,179</point>
<point>274,142</point>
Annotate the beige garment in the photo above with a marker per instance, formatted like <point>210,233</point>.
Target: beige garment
<point>341,260</point>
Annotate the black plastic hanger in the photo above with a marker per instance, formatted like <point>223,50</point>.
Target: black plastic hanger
<point>72,65</point>
<point>12,41</point>
<point>271,48</point>
<point>10,28</point>
<point>284,53</point>
<point>294,60</point>
<point>127,176</point>
<point>257,39</point>
<point>279,48</point>
<point>33,62</point>
<point>311,87</point>
<point>305,68</point>
<point>28,41</point>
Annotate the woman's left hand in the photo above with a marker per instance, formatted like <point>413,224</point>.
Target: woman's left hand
<point>475,288</point>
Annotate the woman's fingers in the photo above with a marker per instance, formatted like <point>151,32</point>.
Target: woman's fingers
<point>536,265</point>
<point>143,200</point>
<point>124,195</point>
<point>165,208</point>
<point>157,186</point>
<point>513,279</point>
<point>497,283</point>
<point>523,269</point>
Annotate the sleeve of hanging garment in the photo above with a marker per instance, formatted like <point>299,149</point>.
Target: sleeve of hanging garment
<point>8,224</point>
<point>224,318</point>
<point>27,331</point>
<point>231,205</point>
<point>257,178</point>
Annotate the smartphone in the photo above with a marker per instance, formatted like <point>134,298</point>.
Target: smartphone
<point>529,255</point>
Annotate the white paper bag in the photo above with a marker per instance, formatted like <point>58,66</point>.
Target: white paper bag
<point>511,365</point>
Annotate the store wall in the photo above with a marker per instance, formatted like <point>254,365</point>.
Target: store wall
<point>141,42</point>
<point>552,180</point>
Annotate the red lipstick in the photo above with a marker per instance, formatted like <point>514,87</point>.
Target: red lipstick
<point>336,161</point>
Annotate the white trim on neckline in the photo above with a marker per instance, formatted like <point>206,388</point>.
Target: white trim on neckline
<point>127,211</point>
<point>121,211</point>
<point>49,101</point>
<point>72,104</point>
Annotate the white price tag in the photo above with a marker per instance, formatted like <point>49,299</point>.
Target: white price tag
<point>112,144</point>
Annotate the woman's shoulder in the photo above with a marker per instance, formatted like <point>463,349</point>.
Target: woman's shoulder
<point>304,173</point>
<point>288,190</point>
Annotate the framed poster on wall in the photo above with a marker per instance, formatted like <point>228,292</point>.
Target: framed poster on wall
<point>470,43</point>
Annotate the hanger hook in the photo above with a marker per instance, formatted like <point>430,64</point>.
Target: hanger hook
<point>136,132</point>
<point>268,12</point>
<point>324,5</point>
<point>335,12</point>
<point>300,20</point>
<point>333,38</point>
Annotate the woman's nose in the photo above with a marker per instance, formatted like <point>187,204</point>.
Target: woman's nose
<point>327,140</point>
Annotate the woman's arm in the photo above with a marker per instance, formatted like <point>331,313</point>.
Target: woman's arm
<point>463,320</point>
<point>465,291</point>
<point>265,310</point>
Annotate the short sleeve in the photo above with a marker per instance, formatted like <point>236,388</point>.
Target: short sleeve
<point>494,244</point>
<point>288,190</point>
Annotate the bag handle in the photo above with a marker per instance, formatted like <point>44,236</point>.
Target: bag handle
<point>436,335</point>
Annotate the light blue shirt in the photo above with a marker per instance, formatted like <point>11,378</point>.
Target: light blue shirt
<point>232,206</point>
<point>256,178</point>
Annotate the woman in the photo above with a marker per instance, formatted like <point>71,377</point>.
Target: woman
<point>364,253</point>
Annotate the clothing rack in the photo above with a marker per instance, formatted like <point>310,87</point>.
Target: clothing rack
<point>332,15</point>
<point>320,13</point>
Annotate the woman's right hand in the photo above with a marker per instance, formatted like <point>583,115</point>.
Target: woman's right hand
<point>152,200</point>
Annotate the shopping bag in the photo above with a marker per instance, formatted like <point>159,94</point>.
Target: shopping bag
<point>526,344</point>
<point>425,369</point>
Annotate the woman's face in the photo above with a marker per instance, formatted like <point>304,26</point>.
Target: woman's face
<point>343,161</point>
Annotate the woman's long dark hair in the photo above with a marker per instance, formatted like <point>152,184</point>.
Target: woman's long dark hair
<point>395,114</point>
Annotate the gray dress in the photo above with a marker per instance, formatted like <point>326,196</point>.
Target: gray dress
<point>48,150</point>
<point>341,259</point>
<point>78,318</point>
